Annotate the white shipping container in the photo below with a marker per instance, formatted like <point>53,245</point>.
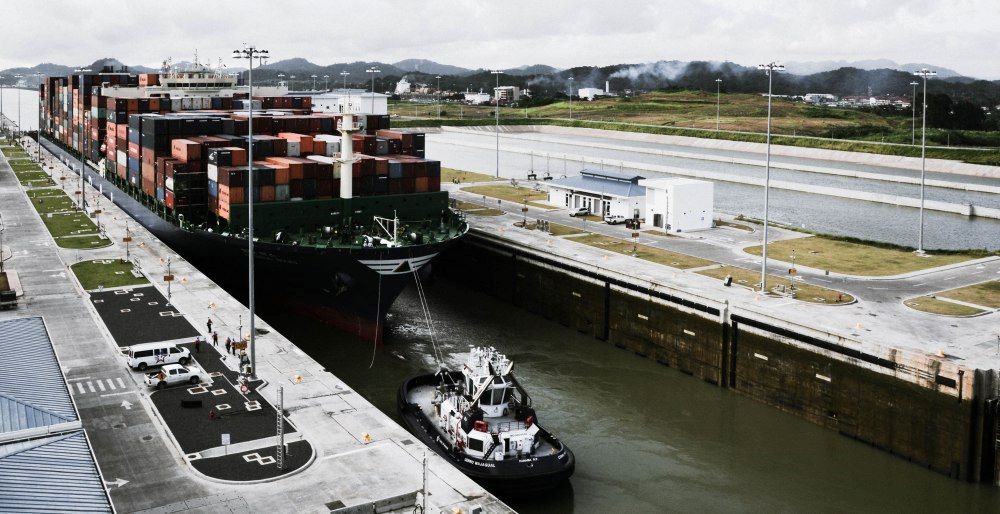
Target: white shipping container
<point>293,148</point>
<point>122,157</point>
<point>213,172</point>
<point>281,192</point>
<point>169,183</point>
<point>332,148</point>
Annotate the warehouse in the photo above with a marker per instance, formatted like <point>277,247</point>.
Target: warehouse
<point>357,101</point>
<point>678,204</point>
<point>602,192</point>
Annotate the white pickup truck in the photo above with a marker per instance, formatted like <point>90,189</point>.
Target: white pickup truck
<point>173,374</point>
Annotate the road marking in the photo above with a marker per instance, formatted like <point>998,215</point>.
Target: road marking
<point>100,386</point>
<point>79,385</point>
<point>78,379</point>
<point>920,284</point>
<point>117,394</point>
<point>91,387</point>
<point>111,385</point>
<point>121,383</point>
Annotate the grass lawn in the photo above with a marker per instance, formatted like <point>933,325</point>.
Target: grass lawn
<point>657,232</point>
<point>805,292</point>
<point>68,224</point>
<point>36,193</point>
<point>34,178</point>
<point>932,305</point>
<point>54,203</point>
<point>648,253</point>
<point>477,209</point>
<point>20,165</point>
<point>854,258</point>
<point>83,242</point>
<point>562,230</point>
<point>511,194</point>
<point>738,226</point>
<point>106,273</point>
<point>986,294</point>
<point>451,175</point>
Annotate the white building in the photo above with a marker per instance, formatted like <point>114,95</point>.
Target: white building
<point>479,98</point>
<point>679,204</point>
<point>357,101</point>
<point>403,87</point>
<point>589,93</point>
<point>508,94</point>
<point>819,98</point>
<point>602,192</point>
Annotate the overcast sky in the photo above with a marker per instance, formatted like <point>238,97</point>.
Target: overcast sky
<point>959,34</point>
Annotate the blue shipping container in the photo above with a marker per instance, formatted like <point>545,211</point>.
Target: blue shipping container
<point>213,188</point>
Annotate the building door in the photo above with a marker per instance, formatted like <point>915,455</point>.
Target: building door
<point>606,208</point>
<point>658,220</point>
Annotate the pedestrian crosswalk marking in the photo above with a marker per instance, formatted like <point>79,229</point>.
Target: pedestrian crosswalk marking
<point>121,382</point>
<point>111,385</point>
<point>100,385</point>
<point>91,387</point>
<point>79,385</point>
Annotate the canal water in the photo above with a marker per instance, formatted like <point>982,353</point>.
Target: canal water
<point>647,438</point>
<point>821,213</point>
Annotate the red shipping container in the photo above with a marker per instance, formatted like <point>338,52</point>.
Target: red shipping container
<point>185,150</point>
<point>121,131</point>
<point>169,201</point>
<point>267,193</point>
<point>133,151</point>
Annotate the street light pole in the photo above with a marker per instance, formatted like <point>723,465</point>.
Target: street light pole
<point>314,82</point>
<point>18,133</point>
<point>438,77</point>
<point>923,73</point>
<point>913,114</point>
<point>571,98</point>
<point>250,53</point>
<point>496,96</point>
<point>769,68</point>
<point>373,70</point>
<point>83,192</point>
<point>344,74</point>
<point>718,101</point>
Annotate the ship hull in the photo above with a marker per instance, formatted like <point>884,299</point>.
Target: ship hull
<point>348,288</point>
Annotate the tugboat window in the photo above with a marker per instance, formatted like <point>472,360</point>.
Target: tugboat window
<point>476,445</point>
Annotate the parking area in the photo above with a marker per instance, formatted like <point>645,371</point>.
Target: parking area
<point>198,416</point>
<point>137,315</point>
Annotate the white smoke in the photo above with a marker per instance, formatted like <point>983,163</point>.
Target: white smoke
<point>668,70</point>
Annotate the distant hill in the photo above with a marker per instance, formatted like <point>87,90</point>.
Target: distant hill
<point>294,64</point>
<point>430,67</point>
<point>810,67</point>
<point>534,69</point>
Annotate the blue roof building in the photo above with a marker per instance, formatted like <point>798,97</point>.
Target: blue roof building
<point>602,192</point>
<point>46,462</point>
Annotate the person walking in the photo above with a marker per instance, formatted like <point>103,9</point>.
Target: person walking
<point>209,324</point>
<point>229,345</point>
<point>215,339</point>
<point>197,345</point>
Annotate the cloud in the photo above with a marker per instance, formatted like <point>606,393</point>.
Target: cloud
<point>478,33</point>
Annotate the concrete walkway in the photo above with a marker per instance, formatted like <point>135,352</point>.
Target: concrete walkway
<point>130,441</point>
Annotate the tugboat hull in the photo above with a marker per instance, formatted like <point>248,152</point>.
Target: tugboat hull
<point>511,477</point>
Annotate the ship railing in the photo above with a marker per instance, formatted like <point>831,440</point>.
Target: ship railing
<point>508,426</point>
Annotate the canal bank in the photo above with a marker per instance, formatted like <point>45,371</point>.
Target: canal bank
<point>937,411</point>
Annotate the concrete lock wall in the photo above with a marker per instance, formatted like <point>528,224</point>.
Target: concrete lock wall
<point>915,411</point>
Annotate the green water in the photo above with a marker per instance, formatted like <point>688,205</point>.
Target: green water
<point>647,438</point>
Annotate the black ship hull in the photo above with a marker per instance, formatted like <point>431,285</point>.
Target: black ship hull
<point>348,288</point>
<point>521,477</point>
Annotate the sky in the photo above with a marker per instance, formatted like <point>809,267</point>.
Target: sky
<point>959,34</point>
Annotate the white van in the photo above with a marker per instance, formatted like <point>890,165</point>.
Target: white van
<point>142,356</point>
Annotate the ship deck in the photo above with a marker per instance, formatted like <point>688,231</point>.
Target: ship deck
<point>423,396</point>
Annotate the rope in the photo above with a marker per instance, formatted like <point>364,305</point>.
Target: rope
<point>378,315</point>
<point>427,316</point>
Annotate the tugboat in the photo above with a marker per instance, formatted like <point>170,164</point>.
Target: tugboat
<point>480,419</point>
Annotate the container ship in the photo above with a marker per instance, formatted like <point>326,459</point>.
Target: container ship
<point>347,212</point>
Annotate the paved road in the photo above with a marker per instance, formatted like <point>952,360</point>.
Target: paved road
<point>725,245</point>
